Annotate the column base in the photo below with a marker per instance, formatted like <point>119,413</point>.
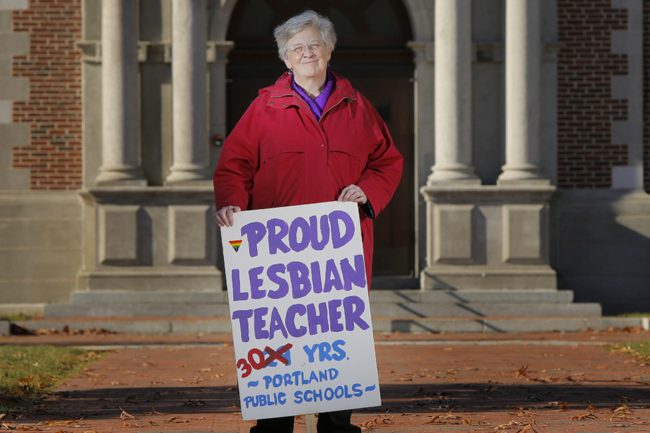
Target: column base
<point>126,176</point>
<point>453,174</point>
<point>188,174</point>
<point>488,237</point>
<point>523,181</point>
<point>149,239</point>
<point>150,280</point>
<point>522,173</point>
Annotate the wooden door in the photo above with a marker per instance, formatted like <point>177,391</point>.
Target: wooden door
<point>371,52</point>
<point>395,226</point>
<point>393,98</point>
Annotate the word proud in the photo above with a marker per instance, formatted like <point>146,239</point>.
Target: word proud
<point>279,236</point>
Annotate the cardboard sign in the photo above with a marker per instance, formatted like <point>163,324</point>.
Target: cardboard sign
<point>300,311</point>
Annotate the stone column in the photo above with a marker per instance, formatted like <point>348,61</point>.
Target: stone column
<point>120,154</point>
<point>523,63</point>
<point>189,115</point>
<point>217,61</point>
<point>453,93</point>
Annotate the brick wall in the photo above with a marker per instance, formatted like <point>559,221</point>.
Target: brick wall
<point>646,95</point>
<point>586,109</point>
<point>53,110</point>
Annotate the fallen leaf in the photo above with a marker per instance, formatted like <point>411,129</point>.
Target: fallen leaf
<point>175,420</point>
<point>529,427</point>
<point>522,412</point>
<point>125,415</point>
<point>155,412</point>
<point>583,417</point>
<point>522,371</point>
<point>507,426</point>
<point>621,408</point>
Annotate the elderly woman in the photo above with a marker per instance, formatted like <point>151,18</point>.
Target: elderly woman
<point>309,138</point>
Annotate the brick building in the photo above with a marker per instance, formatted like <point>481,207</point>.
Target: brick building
<point>524,126</point>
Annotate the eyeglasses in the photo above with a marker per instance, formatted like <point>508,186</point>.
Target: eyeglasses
<point>299,50</point>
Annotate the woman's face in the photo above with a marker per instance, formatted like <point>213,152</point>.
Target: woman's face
<point>309,64</point>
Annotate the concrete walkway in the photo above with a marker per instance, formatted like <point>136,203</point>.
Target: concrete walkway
<point>452,382</point>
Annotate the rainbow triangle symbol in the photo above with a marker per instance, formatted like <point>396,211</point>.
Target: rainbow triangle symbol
<point>235,244</point>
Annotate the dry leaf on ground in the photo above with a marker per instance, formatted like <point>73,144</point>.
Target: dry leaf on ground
<point>530,427</point>
<point>522,371</point>
<point>507,426</point>
<point>584,416</point>
<point>126,415</point>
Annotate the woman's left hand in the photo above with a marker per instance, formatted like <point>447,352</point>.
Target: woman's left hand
<point>354,194</point>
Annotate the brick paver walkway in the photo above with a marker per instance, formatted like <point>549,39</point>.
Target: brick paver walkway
<point>461,383</point>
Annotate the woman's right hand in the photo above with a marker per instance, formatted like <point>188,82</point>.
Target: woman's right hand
<point>224,216</point>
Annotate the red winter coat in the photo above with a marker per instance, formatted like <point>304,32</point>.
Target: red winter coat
<point>280,155</point>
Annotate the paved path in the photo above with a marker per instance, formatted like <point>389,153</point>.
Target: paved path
<point>457,382</point>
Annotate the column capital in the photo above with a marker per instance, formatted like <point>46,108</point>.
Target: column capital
<point>218,51</point>
<point>424,51</point>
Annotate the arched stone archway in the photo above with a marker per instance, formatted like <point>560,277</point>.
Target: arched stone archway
<point>420,14</point>
<point>372,52</point>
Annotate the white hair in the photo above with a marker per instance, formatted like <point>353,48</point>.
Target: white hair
<point>292,26</point>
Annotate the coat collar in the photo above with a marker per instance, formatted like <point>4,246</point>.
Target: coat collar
<point>281,95</point>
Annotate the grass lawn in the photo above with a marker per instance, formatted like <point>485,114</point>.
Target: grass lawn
<point>640,350</point>
<point>16,317</point>
<point>29,372</point>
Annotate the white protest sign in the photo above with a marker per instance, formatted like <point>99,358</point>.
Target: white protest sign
<point>300,311</point>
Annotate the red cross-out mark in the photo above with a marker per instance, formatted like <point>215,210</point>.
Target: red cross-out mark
<point>273,355</point>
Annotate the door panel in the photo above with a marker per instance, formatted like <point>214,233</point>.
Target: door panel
<point>394,227</point>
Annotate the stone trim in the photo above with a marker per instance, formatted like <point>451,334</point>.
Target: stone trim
<point>11,89</point>
<point>626,87</point>
<point>154,52</point>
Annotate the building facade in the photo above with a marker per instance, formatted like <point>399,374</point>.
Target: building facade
<point>524,126</point>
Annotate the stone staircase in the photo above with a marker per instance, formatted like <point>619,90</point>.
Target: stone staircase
<point>407,311</point>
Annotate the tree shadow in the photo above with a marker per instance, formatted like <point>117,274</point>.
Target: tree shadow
<point>105,403</point>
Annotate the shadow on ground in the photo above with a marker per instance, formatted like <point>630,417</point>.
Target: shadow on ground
<point>478,397</point>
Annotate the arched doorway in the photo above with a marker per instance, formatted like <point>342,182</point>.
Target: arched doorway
<point>371,52</point>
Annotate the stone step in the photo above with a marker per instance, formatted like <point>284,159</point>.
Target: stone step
<point>380,324</point>
<point>502,324</point>
<point>376,296</point>
<point>5,328</point>
<point>100,297</point>
<point>137,310</point>
<point>18,309</point>
<point>483,309</point>
<point>388,309</point>
<point>489,295</point>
